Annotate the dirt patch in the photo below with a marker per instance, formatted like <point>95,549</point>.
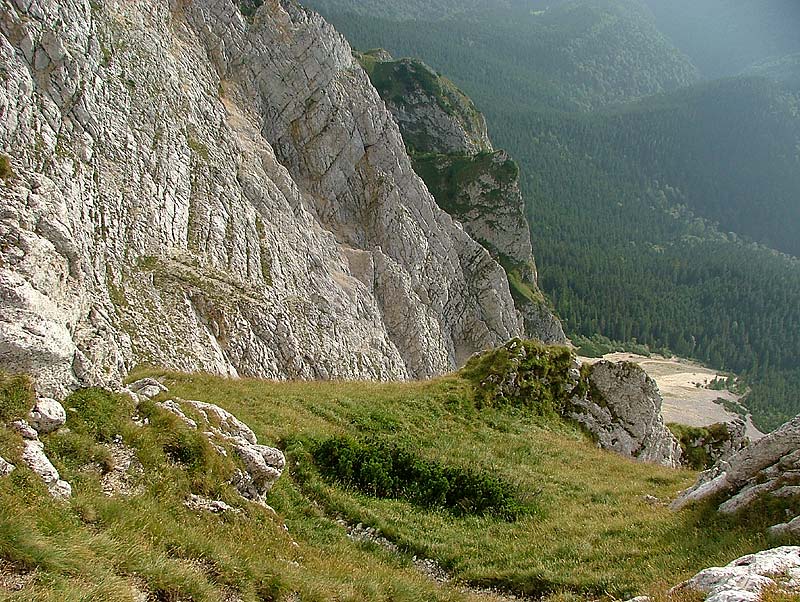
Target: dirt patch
<point>122,479</point>
<point>683,386</point>
<point>12,579</point>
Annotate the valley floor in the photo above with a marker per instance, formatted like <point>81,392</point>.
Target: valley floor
<point>684,401</point>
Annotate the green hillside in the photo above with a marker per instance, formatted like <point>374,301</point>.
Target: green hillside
<point>581,529</point>
<point>571,55</point>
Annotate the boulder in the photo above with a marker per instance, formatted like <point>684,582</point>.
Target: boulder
<point>223,422</point>
<point>34,457</point>
<point>744,579</point>
<point>201,504</point>
<point>792,528</point>
<point>6,467</point>
<point>262,465</point>
<point>47,416</point>
<point>622,409</point>
<point>25,430</point>
<point>146,388</point>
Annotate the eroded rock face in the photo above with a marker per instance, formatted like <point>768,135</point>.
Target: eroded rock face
<point>205,193</point>
<point>475,184</point>
<point>767,467</point>
<point>433,114</point>
<point>623,410</point>
<point>744,579</point>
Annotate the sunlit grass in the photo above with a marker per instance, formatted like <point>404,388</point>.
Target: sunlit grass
<point>591,534</point>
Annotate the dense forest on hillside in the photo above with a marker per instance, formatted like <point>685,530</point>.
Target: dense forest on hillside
<point>625,195</point>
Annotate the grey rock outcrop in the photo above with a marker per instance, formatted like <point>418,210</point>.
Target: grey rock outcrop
<point>206,192</point>
<point>433,114</point>
<point>792,528</point>
<point>768,466</point>
<point>34,458</point>
<point>146,388</point>
<point>6,467</point>
<point>475,184</point>
<point>744,579</point>
<point>47,416</point>
<point>201,504</point>
<point>618,404</point>
<point>261,465</point>
<point>622,409</point>
<point>25,430</point>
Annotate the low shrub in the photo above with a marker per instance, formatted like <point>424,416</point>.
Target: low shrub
<point>523,374</point>
<point>389,471</point>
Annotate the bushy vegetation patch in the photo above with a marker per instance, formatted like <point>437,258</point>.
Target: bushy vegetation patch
<point>385,470</point>
<point>248,8</point>
<point>523,374</point>
<point>697,441</point>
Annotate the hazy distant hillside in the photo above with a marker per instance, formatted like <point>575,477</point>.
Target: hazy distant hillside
<point>724,37</point>
<point>731,147</point>
<point>785,69</point>
<point>571,56</point>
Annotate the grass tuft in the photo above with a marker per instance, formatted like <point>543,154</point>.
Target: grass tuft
<point>16,396</point>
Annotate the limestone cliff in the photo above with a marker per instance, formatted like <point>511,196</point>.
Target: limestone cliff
<point>196,188</point>
<point>478,186</point>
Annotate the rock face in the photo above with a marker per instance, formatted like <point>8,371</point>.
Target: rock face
<point>767,467</point>
<point>477,185</point>
<point>207,192</point>
<point>433,114</point>
<point>744,579</point>
<point>623,410</point>
<point>703,447</point>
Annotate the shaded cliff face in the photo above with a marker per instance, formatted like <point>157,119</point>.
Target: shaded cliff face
<point>478,186</point>
<point>205,191</point>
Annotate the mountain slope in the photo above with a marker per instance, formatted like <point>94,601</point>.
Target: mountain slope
<point>583,530</point>
<point>244,208</point>
<point>617,198</point>
<point>724,38</point>
<point>450,149</point>
<point>731,147</point>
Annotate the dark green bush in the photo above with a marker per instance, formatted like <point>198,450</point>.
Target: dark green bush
<point>390,471</point>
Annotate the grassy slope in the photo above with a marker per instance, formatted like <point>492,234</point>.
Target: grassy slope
<point>590,533</point>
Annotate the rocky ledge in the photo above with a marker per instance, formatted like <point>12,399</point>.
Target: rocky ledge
<point>769,467</point>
